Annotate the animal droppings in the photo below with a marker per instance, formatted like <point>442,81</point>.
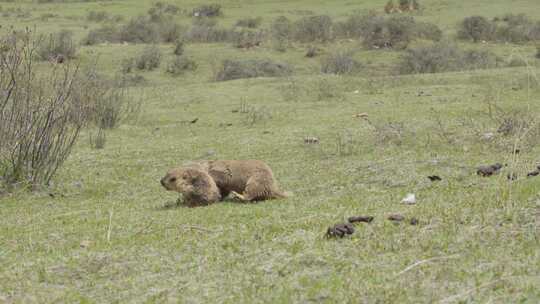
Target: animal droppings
<point>396,217</point>
<point>489,170</point>
<point>340,230</point>
<point>361,218</point>
<point>434,178</point>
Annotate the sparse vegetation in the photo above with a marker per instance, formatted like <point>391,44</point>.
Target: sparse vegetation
<point>341,62</point>
<point>249,22</point>
<point>207,10</point>
<point>149,59</point>
<point>180,64</point>
<point>57,46</point>
<point>314,28</point>
<point>237,69</point>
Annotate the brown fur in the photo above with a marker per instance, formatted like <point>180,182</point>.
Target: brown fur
<point>247,180</point>
<point>196,186</point>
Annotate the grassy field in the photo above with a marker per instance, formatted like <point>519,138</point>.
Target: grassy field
<point>106,231</point>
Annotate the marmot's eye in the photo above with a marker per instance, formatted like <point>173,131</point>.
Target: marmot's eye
<point>172,180</point>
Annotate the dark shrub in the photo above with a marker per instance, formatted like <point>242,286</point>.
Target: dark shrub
<point>106,33</point>
<point>538,52</point>
<point>249,22</point>
<point>281,31</point>
<point>426,30</point>
<point>127,65</point>
<point>394,32</point>
<point>94,16</point>
<point>247,39</point>
<point>314,28</point>
<point>340,63</point>
<point>476,28</point>
<point>444,57</point>
<point>312,51</point>
<point>205,30</point>
<point>180,64</point>
<point>139,30</point>
<point>58,45</point>
<point>207,10</point>
<point>178,47</point>
<point>149,59</point>
<point>237,69</point>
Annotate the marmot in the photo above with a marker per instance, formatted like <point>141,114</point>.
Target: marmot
<point>246,180</point>
<point>196,186</point>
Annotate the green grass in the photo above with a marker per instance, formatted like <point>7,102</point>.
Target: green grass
<point>104,232</point>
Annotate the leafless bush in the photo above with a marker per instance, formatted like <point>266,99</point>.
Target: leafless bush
<point>340,62</point>
<point>149,59</point>
<point>205,30</point>
<point>249,22</point>
<point>178,47</point>
<point>180,64</point>
<point>98,140</point>
<point>444,57</point>
<point>314,28</point>
<point>57,45</point>
<point>247,39</point>
<point>207,10</point>
<point>476,28</point>
<point>281,31</point>
<point>237,69</point>
<point>378,31</point>
<point>40,119</point>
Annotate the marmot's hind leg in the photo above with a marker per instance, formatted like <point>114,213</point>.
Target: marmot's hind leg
<point>258,188</point>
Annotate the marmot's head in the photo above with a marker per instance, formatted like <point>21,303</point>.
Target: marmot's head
<point>181,180</point>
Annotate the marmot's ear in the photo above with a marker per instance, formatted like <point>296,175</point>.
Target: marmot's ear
<point>195,179</point>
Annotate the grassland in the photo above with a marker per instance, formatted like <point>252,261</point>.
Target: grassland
<point>107,232</point>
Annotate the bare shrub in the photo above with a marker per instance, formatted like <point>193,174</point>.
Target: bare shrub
<point>40,119</point>
<point>341,62</point>
<point>281,31</point>
<point>476,28</point>
<point>178,47</point>
<point>377,31</point>
<point>426,30</point>
<point>180,64</point>
<point>205,30</point>
<point>105,33</point>
<point>149,59</point>
<point>207,10</point>
<point>57,45</point>
<point>314,28</point>
<point>249,22</point>
<point>247,39</point>
<point>95,16</point>
<point>98,140</point>
<point>444,57</point>
<point>141,29</point>
<point>237,69</point>
<point>312,51</point>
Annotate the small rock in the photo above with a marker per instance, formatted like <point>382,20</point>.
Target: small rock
<point>85,244</point>
<point>413,221</point>
<point>361,218</point>
<point>356,92</point>
<point>410,199</point>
